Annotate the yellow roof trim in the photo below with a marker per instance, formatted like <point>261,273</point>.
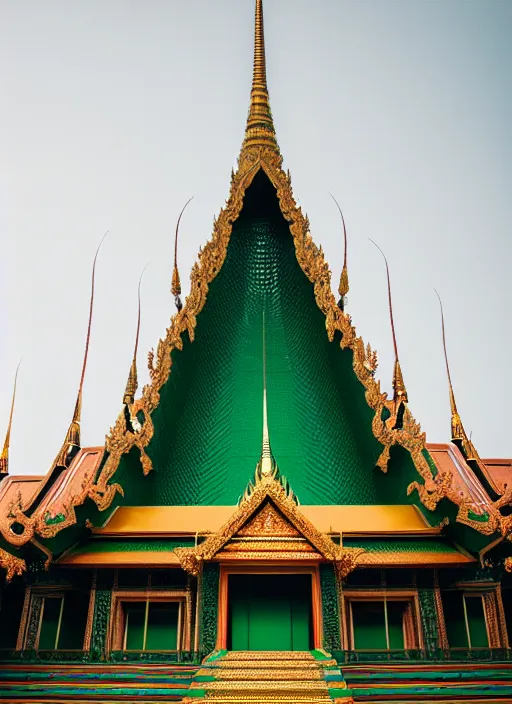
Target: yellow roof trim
<point>189,520</point>
<point>125,558</point>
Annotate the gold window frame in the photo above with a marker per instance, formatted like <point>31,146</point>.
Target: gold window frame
<point>413,633</point>
<point>117,631</point>
<point>494,623</point>
<point>44,592</point>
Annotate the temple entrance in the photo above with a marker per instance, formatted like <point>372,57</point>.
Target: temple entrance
<point>270,612</point>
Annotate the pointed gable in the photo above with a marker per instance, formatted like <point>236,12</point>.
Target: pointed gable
<point>268,525</point>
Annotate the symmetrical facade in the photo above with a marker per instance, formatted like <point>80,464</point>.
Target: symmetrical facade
<point>356,562</point>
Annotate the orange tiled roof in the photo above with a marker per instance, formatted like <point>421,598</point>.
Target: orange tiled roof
<point>448,458</point>
<point>500,472</point>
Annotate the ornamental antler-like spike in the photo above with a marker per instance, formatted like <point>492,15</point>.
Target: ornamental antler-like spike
<point>344,285</point>
<point>132,383</point>
<point>176,282</point>
<point>71,444</point>
<point>4,457</point>
<point>399,390</point>
<point>458,432</point>
<point>259,131</point>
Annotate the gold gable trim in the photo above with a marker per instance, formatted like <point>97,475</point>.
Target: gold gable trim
<point>269,488</point>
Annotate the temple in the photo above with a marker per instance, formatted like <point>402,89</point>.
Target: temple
<point>262,523</point>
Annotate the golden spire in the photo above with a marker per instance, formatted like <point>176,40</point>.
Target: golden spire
<point>458,432</point>
<point>267,469</point>
<point>259,131</point>
<point>71,444</point>
<point>399,390</point>
<point>344,285</point>
<point>4,457</point>
<point>176,283</point>
<point>133,383</point>
<point>267,463</point>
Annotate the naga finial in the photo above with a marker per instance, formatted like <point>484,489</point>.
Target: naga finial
<point>399,390</point>
<point>259,131</point>
<point>4,457</point>
<point>344,285</point>
<point>132,383</point>
<point>176,282</point>
<point>71,444</point>
<point>458,432</point>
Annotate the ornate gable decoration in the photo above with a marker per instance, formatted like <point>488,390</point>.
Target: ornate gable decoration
<point>268,525</point>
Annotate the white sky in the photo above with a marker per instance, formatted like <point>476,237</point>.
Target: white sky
<point>114,113</point>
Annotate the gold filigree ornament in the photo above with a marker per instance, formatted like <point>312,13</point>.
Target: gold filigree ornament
<point>508,564</point>
<point>14,566</point>
<point>267,487</point>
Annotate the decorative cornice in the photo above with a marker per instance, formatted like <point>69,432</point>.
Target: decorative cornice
<point>14,566</point>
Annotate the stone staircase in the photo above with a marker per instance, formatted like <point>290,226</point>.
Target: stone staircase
<point>265,676</point>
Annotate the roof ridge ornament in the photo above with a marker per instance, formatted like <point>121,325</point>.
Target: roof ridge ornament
<point>176,282</point>
<point>133,383</point>
<point>399,390</point>
<point>4,457</point>
<point>458,432</point>
<point>71,444</point>
<point>267,470</point>
<point>259,131</point>
<point>343,287</point>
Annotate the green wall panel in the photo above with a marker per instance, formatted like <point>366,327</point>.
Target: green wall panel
<point>330,608</point>
<point>102,607</point>
<point>209,606</point>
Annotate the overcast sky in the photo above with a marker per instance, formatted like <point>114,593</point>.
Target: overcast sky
<point>114,113</point>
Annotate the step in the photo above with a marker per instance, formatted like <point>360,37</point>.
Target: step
<point>262,699</point>
<point>261,674</point>
<point>316,687</point>
<point>223,664</point>
<point>295,655</point>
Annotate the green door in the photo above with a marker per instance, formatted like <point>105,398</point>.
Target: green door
<point>270,612</point>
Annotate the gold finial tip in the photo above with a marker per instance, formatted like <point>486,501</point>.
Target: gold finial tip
<point>259,131</point>
<point>400,392</point>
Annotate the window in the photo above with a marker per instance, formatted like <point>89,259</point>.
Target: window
<point>464,615</point>
<point>151,625</point>
<point>62,621</point>
<point>507,607</point>
<point>11,607</point>
<point>387,623</point>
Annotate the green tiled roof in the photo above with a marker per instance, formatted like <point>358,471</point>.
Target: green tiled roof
<point>208,424</point>
<point>403,545</point>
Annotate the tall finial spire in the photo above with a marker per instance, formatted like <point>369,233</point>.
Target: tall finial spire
<point>399,390</point>
<point>176,283</point>
<point>344,285</point>
<point>259,131</point>
<point>457,429</point>
<point>132,383</point>
<point>4,457</point>
<point>71,444</point>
